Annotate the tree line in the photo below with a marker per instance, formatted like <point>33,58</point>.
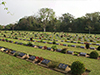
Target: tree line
<point>46,20</point>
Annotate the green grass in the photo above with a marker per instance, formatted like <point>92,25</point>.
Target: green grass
<point>59,46</point>
<point>10,65</point>
<point>91,64</point>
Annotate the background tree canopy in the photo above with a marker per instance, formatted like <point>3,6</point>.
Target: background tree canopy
<point>47,21</point>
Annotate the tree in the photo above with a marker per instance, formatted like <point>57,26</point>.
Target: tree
<point>46,14</point>
<point>5,8</point>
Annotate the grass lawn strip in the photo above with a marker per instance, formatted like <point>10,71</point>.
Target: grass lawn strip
<point>90,64</point>
<point>10,65</point>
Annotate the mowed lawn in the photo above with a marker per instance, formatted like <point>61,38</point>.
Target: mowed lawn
<point>10,65</point>
<point>91,64</point>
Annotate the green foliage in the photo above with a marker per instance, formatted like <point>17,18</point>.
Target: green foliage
<point>64,50</point>
<point>30,44</point>
<point>54,47</point>
<point>98,48</point>
<point>53,64</point>
<point>87,45</point>
<point>15,38</point>
<point>94,54</point>
<point>77,68</point>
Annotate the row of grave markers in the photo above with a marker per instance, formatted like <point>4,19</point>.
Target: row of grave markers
<point>58,50</point>
<point>64,68</point>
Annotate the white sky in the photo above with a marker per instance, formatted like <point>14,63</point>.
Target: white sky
<point>21,8</point>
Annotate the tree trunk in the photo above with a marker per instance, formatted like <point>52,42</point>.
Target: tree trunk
<point>89,31</point>
<point>44,29</point>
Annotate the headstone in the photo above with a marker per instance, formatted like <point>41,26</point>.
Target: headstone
<point>63,66</point>
<point>83,54</point>
<point>31,58</point>
<point>45,61</point>
<point>70,52</point>
<point>59,50</point>
<point>12,52</point>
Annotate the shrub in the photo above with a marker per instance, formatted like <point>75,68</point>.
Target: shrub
<point>52,64</point>
<point>64,50</point>
<point>16,54</point>
<point>29,44</point>
<point>54,42</point>
<point>16,38</point>
<point>87,45</point>
<point>94,54</point>
<point>54,47</point>
<point>6,39</point>
<point>41,41</point>
<point>77,68</point>
<point>98,48</point>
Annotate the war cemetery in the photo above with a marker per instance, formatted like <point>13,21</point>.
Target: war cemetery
<point>57,53</point>
<point>47,44</point>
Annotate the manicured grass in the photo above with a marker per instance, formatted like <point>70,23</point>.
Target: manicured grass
<point>91,64</point>
<point>10,65</point>
<point>59,46</point>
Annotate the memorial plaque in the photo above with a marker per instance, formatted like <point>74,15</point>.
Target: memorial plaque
<point>59,50</point>
<point>82,42</point>
<point>57,44</point>
<point>82,47</point>
<point>40,47</point>
<point>93,48</point>
<point>31,58</point>
<point>45,61</point>
<point>21,54</point>
<point>50,42</point>
<point>44,42</point>
<point>16,42</point>
<point>70,52</point>
<point>48,48</point>
<point>83,54</point>
<point>6,50</point>
<point>63,66</point>
<point>64,44</point>
<point>12,52</point>
<point>73,45</point>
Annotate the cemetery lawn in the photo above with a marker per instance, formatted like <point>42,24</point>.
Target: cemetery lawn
<point>10,65</point>
<point>60,47</point>
<point>91,64</point>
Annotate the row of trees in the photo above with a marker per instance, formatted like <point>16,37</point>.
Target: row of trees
<point>46,20</point>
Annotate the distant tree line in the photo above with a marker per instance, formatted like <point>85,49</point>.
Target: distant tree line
<point>46,20</point>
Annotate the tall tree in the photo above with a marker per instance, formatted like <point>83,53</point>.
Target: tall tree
<point>46,14</point>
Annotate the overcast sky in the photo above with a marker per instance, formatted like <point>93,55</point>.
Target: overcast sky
<point>22,8</point>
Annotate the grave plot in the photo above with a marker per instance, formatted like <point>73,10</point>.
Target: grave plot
<point>83,54</point>
<point>45,62</point>
<point>12,52</point>
<point>21,55</point>
<point>92,48</point>
<point>63,68</point>
<point>2,49</point>
<point>70,52</point>
<point>82,47</point>
<point>32,59</point>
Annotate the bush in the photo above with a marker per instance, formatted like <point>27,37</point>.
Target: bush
<point>98,48</point>
<point>16,38</point>
<point>77,68</point>
<point>54,48</point>
<point>94,54</point>
<point>54,42</point>
<point>52,64</point>
<point>64,50</point>
<point>87,45</point>
<point>30,44</point>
